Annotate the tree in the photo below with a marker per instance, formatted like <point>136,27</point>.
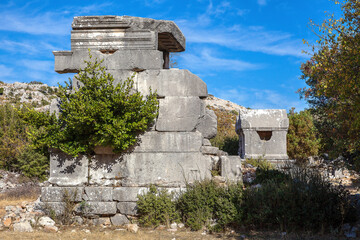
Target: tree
<point>333,78</point>
<point>302,141</point>
<point>97,114</point>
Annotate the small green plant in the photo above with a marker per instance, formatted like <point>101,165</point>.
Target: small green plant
<point>157,207</point>
<point>260,163</point>
<point>1,91</point>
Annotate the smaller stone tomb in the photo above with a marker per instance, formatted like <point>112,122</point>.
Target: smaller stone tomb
<point>262,133</point>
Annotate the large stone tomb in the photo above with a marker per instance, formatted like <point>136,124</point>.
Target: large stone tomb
<point>176,150</point>
<point>262,134</point>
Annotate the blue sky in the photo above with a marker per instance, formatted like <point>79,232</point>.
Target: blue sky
<point>247,51</point>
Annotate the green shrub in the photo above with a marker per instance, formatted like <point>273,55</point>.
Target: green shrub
<point>260,163</point>
<point>205,201</point>
<point>17,153</point>
<point>13,136</point>
<point>302,141</point>
<point>265,175</point>
<point>157,207</point>
<point>1,91</point>
<point>302,201</point>
<point>33,164</point>
<point>97,114</point>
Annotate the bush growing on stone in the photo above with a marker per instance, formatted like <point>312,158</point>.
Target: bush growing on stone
<point>303,200</point>
<point>157,207</point>
<point>205,201</point>
<point>97,114</point>
<point>302,141</point>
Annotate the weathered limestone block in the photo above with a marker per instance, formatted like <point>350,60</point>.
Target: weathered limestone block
<point>121,59</point>
<point>105,169</point>
<point>164,169</point>
<point>208,124</point>
<point>206,142</point>
<point>118,32</point>
<point>210,150</point>
<point>98,194</point>
<point>127,208</point>
<point>262,133</point>
<point>169,142</point>
<point>97,208</point>
<point>112,40</point>
<point>171,82</point>
<point>56,194</point>
<point>274,148</point>
<point>57,207</point>
<point>66,170</point>
<point>119,220</point>
<point>179,114</point>
<point>128,194</point>
<point>231,168</point>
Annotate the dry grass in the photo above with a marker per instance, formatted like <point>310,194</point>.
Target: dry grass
<point>17,196</point>
<point>143,234</point>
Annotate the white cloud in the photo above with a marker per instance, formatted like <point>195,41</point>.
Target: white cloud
<point>46,23</point>
<point>254,39</point>
<point>206,60</point>
<point>27,19</point>
<point>262,2</point>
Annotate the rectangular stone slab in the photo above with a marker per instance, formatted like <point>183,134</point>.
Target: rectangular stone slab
<point>169,142</point>
<point>110,39</point>
<point>171,82</point>
<point>179,114</point>
<point>66,170</point>
<point>65,62</point>
<point>164,169</point>
<point>128,194</point>
<point>98,208</point>
<point>56,194</point>
<point>231,168</point>
<point>98,194</point>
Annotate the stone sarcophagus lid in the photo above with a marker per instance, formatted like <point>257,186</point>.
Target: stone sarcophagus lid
<point>262,133</point>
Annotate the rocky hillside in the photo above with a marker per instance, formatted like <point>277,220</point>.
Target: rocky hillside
<point>37,94</point>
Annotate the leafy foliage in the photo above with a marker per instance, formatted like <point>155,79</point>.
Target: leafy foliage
<point>13,138</point>
<point>204,201</point>
<point>226,138</point>
<point>332,75</point>
<point>302,141</point>
<point>300,199</point>
<point>16,151</point>
<point>99,113</point>
<point>157,207</point>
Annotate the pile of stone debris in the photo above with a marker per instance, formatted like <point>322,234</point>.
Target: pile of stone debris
<point>11,181</point>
